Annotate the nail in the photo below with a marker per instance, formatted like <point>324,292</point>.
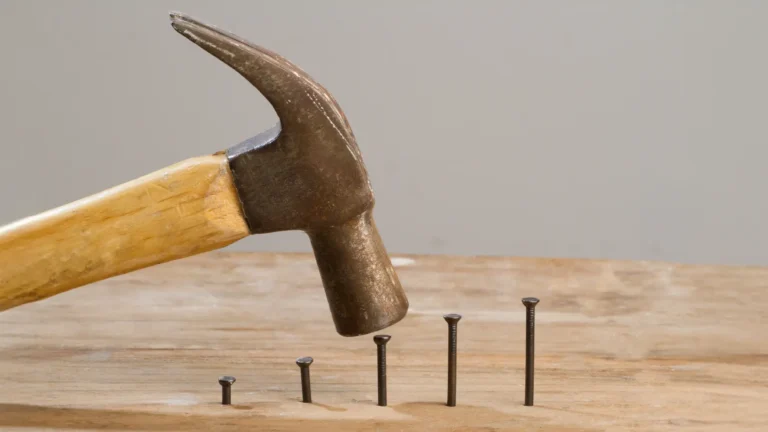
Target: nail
<point>453,323</point>
<point>530,325</point>
<point>226,389</point>
<point>306,389</point>
<point>381,351</point>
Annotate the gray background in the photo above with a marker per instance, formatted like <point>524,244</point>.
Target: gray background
<point>599,129</point>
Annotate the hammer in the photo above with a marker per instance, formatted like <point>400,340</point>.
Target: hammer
<point>306,173</point>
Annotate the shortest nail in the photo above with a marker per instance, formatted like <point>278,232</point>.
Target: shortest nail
<point>226,389</point>
<point>306,389</point>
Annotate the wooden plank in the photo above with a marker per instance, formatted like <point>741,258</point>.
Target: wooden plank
<point>621,346</point>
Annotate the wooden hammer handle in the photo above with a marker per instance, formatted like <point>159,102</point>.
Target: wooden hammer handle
<point>185,209</point>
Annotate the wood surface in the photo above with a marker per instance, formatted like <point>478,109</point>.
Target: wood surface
<point>185,209</point>
<point>621,346</point>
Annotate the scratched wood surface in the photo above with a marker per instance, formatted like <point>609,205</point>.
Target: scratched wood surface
<point>622,346</point>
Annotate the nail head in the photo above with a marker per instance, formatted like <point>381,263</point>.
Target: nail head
<point>530,301</point>
<point>304,361</point>
<point>227,380</point>
<point>452,318</point>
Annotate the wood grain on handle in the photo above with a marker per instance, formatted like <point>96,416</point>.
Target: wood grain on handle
<point>185,209</point>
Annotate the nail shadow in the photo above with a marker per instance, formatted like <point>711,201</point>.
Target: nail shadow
<point>329,407</point>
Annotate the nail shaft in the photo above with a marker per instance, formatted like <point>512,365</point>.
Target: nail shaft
<point>226,395</point>
<point>453,324</point>
<point>381,366</point>
<point>530,327</point>
<point>306,389</point>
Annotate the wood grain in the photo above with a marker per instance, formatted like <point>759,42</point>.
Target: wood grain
<point>621,346</point>
<point>182,210</point>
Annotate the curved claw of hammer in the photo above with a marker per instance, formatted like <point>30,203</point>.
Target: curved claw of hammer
<point>286,86</point>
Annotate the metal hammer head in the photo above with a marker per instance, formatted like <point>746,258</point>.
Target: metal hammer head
<point>307,174</point>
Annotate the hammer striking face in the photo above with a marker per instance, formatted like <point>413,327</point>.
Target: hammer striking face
<point>306,173</point>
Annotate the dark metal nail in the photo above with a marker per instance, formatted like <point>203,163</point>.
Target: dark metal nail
<point>226,389</point>
<point>306,389</point>
<point>530,324</point>
<point>381,351</point>
<point>453,324</point>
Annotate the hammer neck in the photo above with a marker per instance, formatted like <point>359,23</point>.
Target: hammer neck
<point>363,290</point>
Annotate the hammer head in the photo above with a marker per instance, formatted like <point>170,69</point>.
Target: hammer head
<point>307,174</point>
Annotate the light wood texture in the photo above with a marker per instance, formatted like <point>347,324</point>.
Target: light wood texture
<point>185,209</point>
<point>621,346</point>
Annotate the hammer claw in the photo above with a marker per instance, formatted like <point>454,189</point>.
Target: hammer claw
<point>286,86</point>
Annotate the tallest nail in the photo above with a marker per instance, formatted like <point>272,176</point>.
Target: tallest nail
<point>453,324</point>
<point>530,325</point>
